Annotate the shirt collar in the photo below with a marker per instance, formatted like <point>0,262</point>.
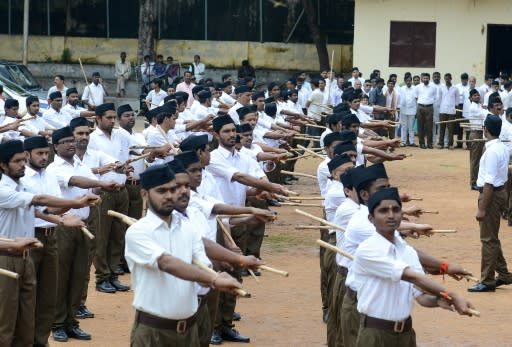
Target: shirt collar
<point>398,243</point>
<point>154,222</point>
<point>225,153</point>
<point>9,182</point>
<point>29,172</point>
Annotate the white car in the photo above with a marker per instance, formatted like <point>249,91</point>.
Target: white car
<point>13,91</point>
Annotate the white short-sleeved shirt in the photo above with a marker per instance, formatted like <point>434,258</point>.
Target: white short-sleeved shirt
<point>35,125</point>
<point>16,212</point>
<point>63,92</point>
<point>506,134</point>
<point>359,228</point>
<point>94,159</point>
<point>155,98</point>
<point>334,197</point>
<point>378,268</point>
<point>157,292</point>
<point>72,111</point>
<point>326,132</point>
<point>137,140</point>
<point>41,183</point>
<point>56,119</point>
<point>206,204</point>
<point>315,109</point>
<point>426,94</point>
<point>322,176</point>
<point>233,114</point>
<point>63,171</point>
<point>227,99</point>
<point>10,134</point>
<point>493,164</point>
<point>223,165</point>
<point>208,186</point>
<point>156,138</point>
<point>95,94</point>
<point>343,214</point>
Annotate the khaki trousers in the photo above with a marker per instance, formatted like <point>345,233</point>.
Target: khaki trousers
<point>324,278</point>
<point>73,251</point>
<point>120,83</point>
<point>255,232</point>
<point>475,153</point>
<point>350,319</point>
<point>227,301</point>
<point>492,254</point>
<point>135,201</point>
<point>444,126</point>
<point>18,302</point>
<point>425,115</point>
<point>144,336</point>
<point>203,325</point>
<point>371,337</point>
<point>92,225</point>
<point>334,328</point>
<point>110,235</point>
<point>45,268</point>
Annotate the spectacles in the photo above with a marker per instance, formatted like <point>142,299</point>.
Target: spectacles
<point>66,142</point>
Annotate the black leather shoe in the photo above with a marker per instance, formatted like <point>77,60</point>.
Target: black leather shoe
<point>105,287</point>
<point>500,282</point>
<point>60,335</point>
<point>294,178</point>
<point>234,336</point>
<point>244,273</point>
<point>257,273</point>
<point>216,339</point>
<point>119,270</point>
<point>125,268</point>
<point>78,334</point>
<point>325,314</point>
<point>273,202</point>
<point>423,147</point>
<point>430,146</point>
<point>236,316</point>
<point>83,312</point>
<point>480,288</point>
<point>119,286</point>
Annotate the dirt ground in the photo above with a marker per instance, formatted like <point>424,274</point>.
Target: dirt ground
<point>287,311</point>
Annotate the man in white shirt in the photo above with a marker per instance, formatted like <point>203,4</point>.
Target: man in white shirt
<point>477,115</point>
<point>407,112</point>
<point>54,116</point>
<point>146,70</point>
<point>149,255</point>
<point>486,86</point>
<point>71,109</point>
<point>94,93</point>
<point>464,89</point>
<point>17,213</point>
<point>36,125</point>
<point>110,234</point>
<point>355,76</point>
<point>197,68</point>
<point>243,98</point>
<point>156,95</point>
<point>388,272</point>
<point>58,87</point>
<point>436,82</point>
<point>449,96</point>
<point>123,70</point>
<point>492,177</point>
<point>426,94</point>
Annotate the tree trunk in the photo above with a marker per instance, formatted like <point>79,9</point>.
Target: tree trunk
<point>146,29</point>
<point>310,10</point>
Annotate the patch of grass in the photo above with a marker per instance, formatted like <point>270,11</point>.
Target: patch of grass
<point>283,243</point>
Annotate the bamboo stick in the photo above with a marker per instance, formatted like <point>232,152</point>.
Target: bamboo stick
<point>284,172</point>
<point>321,220</point>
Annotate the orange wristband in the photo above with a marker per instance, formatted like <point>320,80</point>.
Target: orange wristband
<point>445,295</point>
<point>241,261</point>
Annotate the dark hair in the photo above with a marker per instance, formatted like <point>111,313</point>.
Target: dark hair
<point>464,76</point>
<point>159,56</point>
<point>157,81</point>
<point>488,77</point>
<point>60,77</point>
<point>365,186</point>
<point>448,75</point>
<point>162,115</point>
<point>271,109</point>
<point>226,75</point>
<point>425,74</point>
<point>436,73</point>
<point>147,56</point>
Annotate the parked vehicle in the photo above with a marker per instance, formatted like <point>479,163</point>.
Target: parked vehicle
<point>13,91</point>
<point>19,74</point>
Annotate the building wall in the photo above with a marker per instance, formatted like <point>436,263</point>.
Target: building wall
<point>218,54</point>
<point>461,37</point>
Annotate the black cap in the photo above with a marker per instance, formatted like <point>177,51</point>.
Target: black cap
<point>35,142</point>
<point>473,92</point>
<point>151,114</point>
<point>124,108</point>
<point>187,158</point>
<point>60,134</point>
<point>242,111</point>
<point>333,118</point>
<point>71,90</point>
<point>220,121</point>
<point>176,166</point>
<point>101,109</point>
<point>243,128</point>
<point>344,147</point>
<point>348,120</point>
<point>29,100</point>
<point>361,175</point>
<point>184,95</point>
<point>9,103</point>
<point>204,94</point>
<point>493,124</point>
<point>242,89</point>
<point>78,122</point>
<point>156,175</point>
<point>9,149</point>
<point>341,108</point>
<point>346,179</point>
<point>347,135</point>
<point>337,162</point>
<point>193,142</point>
<point>379,170</point>
<point>197,89</point>
<point>381,195</point>
<point>330,138</point>
<point>55,95</point>
<point>257,95</point>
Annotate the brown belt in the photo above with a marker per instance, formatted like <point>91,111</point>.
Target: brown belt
<point>496,189</point>
<point>45,231</point>
<point>133,182</point>
<point>352,294</point>
<point>397,327</point>
<point>342,270</point>
<point>180,326</point>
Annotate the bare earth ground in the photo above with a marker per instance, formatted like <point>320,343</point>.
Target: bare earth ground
<point>286,311</point>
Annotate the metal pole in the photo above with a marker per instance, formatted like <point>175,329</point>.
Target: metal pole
<point>159,11</point>
<point>9,18</point>
<point>294,26</point>
<point>108,19</point>
<point>48,16</point>
<point>261,20</point>
<point>25,31</point>
<point>206,19</point>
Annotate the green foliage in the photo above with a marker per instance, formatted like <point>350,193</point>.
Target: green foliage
<point>65,57</point>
